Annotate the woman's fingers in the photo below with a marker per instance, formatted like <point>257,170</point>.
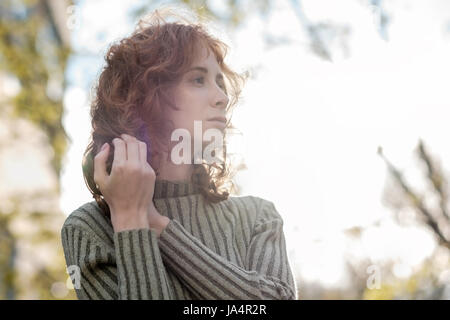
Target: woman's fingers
<point>120,153</point>
<point>100,164</point>
<point>142,152</point>
<point>130,187</point>
<point>132,149</point>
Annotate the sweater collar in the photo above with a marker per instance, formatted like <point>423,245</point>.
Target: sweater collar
<point>175,188</point>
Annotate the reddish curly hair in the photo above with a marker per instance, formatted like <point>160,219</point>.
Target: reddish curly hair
<point>133,92</point>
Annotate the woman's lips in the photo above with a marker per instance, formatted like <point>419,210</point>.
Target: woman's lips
<point>220,119</point>
<point>218,122</point>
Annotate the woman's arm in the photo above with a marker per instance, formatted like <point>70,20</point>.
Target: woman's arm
<point>138,273</point>
<point>267,274</point>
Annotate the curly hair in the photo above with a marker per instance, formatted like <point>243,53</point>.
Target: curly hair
<point>133,92</point>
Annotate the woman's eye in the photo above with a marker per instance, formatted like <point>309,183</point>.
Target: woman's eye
<point>201,78</point>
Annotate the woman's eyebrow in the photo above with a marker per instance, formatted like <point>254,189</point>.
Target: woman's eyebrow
<point>205,70</point>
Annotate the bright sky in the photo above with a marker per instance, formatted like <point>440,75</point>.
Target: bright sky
<point>312,128</point>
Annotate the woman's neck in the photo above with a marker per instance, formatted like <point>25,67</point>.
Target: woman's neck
<point>167,170</point>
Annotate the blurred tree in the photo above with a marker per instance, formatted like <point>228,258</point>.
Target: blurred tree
<point>7,259</point>
<point>431,280</point>
<point>321,35</point>
<point>34,49</point>
<point>425,283</point>
<point>435,218</point>
<point>431,211</point>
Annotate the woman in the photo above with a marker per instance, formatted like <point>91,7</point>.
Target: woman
<point>158,228</point>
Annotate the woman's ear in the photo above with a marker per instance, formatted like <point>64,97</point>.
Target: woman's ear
<point>88,170</point>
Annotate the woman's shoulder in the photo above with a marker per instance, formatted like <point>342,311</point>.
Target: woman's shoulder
<point>256,201</point>
<point>254,204</point>
<point>262,208</point>
<point>89,218</point>
<point>245,202</point>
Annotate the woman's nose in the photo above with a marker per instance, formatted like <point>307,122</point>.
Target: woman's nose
<point>222,99</point>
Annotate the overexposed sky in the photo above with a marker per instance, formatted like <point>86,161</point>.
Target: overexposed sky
<point>311,128</point>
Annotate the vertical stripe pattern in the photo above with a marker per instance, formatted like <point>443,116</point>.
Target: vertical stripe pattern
<point>234,249</point>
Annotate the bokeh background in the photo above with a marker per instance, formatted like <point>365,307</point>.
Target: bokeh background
<point>343,124</point>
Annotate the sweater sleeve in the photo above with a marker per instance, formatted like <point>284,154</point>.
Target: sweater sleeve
<point>138,272</point>
<point>267,274</point>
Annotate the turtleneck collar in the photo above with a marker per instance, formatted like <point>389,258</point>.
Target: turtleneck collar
<point>172,189</point>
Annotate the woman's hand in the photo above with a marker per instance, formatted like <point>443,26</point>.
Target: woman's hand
<point>129,188</point>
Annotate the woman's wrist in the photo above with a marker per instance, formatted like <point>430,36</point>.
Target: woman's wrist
<point>157,221</point>
<point>160,224</point>
<point>125,222</point>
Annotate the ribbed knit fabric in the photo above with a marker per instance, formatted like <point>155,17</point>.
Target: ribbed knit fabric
<point>234,249</point>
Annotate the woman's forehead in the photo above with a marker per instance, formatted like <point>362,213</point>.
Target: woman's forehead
<point>206,59</point>
<point>202,53</point>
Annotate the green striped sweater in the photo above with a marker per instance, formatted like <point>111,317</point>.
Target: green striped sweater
<point>234,249</point>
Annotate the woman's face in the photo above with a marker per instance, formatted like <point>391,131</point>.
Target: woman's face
<point>200,95</point>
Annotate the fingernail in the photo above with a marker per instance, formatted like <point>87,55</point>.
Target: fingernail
<point>104,146</point>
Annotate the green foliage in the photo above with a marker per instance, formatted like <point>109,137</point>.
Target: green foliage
<point>14,284</point>
<point>234,14</point>
<point>25,54</point>
<point>422,284</point>
<point>32,53</point>
<point>434,218</point>
<point>437,220</point>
